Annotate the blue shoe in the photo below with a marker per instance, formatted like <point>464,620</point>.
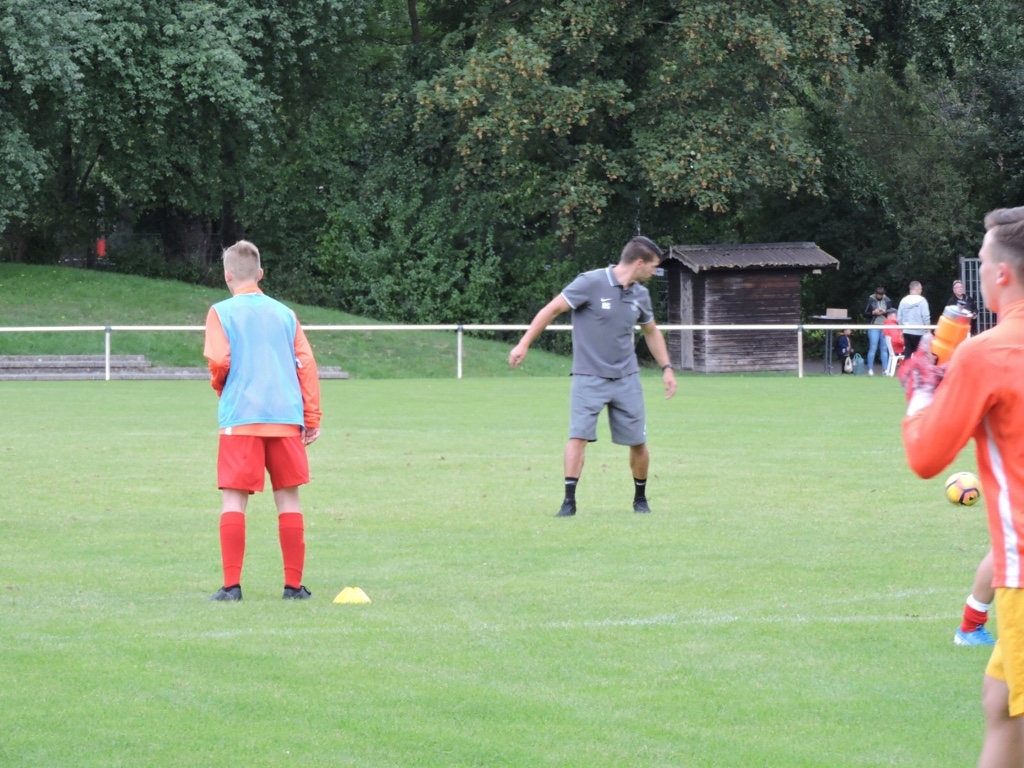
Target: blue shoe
<point>980,636</point>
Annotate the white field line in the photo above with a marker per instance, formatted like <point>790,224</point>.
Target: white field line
<point>699,617</point>
<point>668,620</point>
<point>696,618</point>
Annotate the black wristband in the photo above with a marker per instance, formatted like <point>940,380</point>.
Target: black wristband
<point>666,365</point>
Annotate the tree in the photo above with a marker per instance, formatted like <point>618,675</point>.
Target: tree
<point>40,69</point>
<point>139,107</point>
<point>570,107</point>
<point>724,111</point>
<point>938,37</point>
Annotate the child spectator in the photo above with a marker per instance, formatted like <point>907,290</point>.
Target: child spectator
<point>894,334</point>
<point>844,350</point>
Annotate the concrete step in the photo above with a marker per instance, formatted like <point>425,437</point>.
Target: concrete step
<point>92,375</point>
<point>65,362</point>
<point>331,372</point>
<point>122,368</point>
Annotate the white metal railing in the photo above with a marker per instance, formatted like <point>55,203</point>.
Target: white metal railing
<point>459,329</point>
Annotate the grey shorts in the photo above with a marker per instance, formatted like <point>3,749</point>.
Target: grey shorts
<point>625,400</point>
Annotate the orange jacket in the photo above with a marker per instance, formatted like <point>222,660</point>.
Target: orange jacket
<point>895,334</point>
<point>217,351</point>
<point>982,396</point>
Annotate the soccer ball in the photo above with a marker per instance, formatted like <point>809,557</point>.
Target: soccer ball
<point>963,489</point>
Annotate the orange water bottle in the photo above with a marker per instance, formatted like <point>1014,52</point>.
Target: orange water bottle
<point>954,325</point>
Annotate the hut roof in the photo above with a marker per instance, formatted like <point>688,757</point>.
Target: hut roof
<point>701,258</point>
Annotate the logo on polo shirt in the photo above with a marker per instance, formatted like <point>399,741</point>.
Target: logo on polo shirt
<point>606,303</point>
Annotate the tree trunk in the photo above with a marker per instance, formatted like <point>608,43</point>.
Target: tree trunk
<point>17,243</point>
<point>231,230</point>
<point>414,23</point>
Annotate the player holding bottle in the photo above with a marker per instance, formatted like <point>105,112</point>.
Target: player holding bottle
<point>263,370</point>
<point>981,396</point>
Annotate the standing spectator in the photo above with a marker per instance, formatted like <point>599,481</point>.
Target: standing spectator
<point>877,306</point>
<point>269,411</point>
<point>977,394</point>
<point>893,333</point>
<point>960,299</point>
<point>913,310</point>
<point>606,304</point>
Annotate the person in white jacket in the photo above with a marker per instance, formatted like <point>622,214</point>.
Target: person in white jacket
<point>913,310</point>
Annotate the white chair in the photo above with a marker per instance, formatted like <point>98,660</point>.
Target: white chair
<point>894,359</point>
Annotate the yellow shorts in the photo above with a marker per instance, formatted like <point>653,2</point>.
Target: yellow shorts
<point>1007,660</point>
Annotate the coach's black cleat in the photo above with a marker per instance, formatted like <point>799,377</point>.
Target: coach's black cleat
<point>640,505</point>
<point>568,509</point>
<point>232,594</point>
<point>293,593</point>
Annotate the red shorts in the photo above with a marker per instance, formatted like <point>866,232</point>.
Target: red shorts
<point>243,460</point>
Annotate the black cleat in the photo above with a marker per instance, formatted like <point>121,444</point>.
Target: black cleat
<point>640,505</point>
<point>293,593</point>
<point>230,594</point>
<point>568,509</point>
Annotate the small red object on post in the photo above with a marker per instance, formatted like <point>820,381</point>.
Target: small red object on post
<point>101,247</point>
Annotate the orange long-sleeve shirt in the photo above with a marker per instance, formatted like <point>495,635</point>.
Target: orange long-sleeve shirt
<point>982,396</point>
<point>895,334</point>
<point>217,351</point>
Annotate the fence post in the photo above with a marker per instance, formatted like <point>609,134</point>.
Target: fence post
<point>458,351</point>
<point>800,351</point>
<point>106,354</point>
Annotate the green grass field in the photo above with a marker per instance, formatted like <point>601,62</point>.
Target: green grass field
<point>791,601</point>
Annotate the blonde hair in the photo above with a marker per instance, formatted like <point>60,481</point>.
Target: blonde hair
<point>242,260</point>
<point>1006,235</point>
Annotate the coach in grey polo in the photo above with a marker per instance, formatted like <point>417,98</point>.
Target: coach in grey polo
<point>606,304</point>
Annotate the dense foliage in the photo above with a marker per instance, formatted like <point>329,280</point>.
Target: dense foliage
<point>460,160</point>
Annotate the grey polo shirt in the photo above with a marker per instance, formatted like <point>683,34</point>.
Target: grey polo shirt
<point>603,316</point>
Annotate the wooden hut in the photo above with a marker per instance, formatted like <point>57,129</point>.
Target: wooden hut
<point>753,284</point>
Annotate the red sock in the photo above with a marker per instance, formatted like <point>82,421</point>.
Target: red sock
<point>973,619</point>
<point>291,530</point>
<point>232,546</point>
